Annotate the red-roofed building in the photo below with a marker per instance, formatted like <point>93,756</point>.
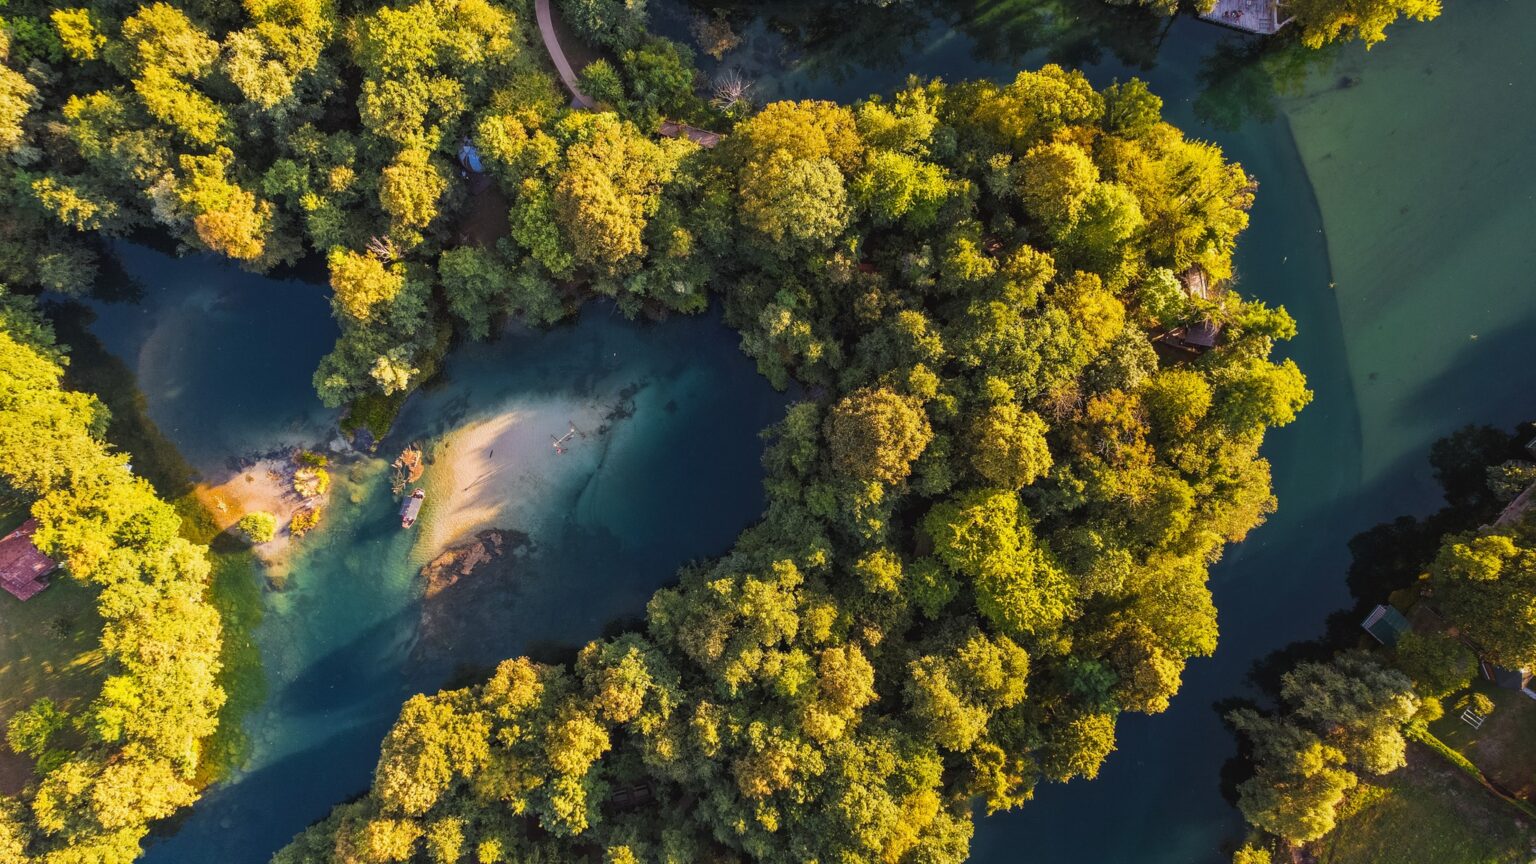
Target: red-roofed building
<point>23,569</point>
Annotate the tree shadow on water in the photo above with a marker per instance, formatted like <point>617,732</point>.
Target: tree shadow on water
<point>1244,80</point>
<point>1384,558</point>
<point>1073,33</point>
<point>93,369</point>
<point>351,675</point>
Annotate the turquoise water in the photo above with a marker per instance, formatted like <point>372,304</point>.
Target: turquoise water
<point>224,359</point>
<point>679,477</point>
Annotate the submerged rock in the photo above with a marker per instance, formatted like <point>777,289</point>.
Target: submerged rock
<point>452,600</point>
<point>459,561</point>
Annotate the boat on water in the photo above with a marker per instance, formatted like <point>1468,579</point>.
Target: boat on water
<point>412,507</point>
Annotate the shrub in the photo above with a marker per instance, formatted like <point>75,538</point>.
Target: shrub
<point>313,459</point>
<point>311,482</point>
<point>305,521</point>
<point>258,527</point>
<point>601,81</point>
<point>1477,702</point>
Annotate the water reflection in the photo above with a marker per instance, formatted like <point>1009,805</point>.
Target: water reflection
<point>803,49</point>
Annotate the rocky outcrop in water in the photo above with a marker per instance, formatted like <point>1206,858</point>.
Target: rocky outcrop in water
<point>457,562</point>
<point>462,582</point>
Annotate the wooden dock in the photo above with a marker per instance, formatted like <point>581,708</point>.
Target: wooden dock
<point>702,137</point>
<point>1251,16</point>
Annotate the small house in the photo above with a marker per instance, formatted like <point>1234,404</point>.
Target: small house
<point>1196,338</point>
<point>24,568</point>
<point>631,797</point>
<point>1251,16</point>
<point>1386,625</point>
<point>1202,335</point>
<point>1507,679</point>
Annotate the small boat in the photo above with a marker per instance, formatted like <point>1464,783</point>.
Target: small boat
<point>411,507</point>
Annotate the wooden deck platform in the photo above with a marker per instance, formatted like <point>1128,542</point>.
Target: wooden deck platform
<point>702,137</point>
<point>1251,16</point>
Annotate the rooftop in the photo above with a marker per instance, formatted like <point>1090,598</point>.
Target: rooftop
<point>1386,624</point>
<point>23,569</point>
<point>702,137</point>
<point>1253,16</point>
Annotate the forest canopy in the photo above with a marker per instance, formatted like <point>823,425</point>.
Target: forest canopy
<point>989,528</point>
<point>1033,412</point>
<point>130,755</point>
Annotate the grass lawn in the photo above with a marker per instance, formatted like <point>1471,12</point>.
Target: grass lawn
<point>1431,814</point>
<point>49,646</point>
<point>1505,748</point>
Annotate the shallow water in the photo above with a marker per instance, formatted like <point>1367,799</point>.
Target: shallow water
<point>224,360</point>
<point>1420,151</point>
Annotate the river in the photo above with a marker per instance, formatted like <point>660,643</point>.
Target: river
<point>1393,221</point>
<point>665,470</point>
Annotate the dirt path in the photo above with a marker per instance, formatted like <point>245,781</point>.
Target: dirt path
<point>557,54</point>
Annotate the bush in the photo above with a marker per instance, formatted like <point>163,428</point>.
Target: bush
<point>305,521</point>
<point>258,527</point>
<point>374,412</point>
<point>1477,702</point>
<point>1251,855</point>
<point>31,730</point>
<point>601,82</point>
<point>311,482</point>
<point>616,24</point>
<point>1438,664</point>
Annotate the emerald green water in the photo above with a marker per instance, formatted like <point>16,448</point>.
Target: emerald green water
<point>1414,308</point>
<point>224,360</point>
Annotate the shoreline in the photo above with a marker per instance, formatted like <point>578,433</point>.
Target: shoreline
<point>500,472</point>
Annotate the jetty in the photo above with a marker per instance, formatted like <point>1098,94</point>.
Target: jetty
<point>1251,16</point>
<point>560,442</point>
<point>702,137</point>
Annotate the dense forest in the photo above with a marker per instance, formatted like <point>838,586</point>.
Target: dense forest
<point>1034,406</point>
<point>131,755</point>
<point>988,533</point>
